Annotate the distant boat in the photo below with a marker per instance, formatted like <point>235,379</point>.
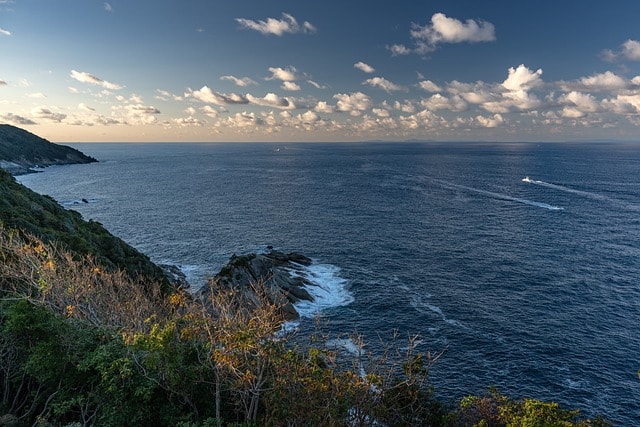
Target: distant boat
<point>527,179</point>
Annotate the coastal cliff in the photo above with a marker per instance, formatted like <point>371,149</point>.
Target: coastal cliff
<point>21,152</point>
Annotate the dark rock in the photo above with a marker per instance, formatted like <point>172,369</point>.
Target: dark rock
<point>175,276</point>
<point>274,270</point>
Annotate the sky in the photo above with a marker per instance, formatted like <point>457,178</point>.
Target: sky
<point>260,70</point>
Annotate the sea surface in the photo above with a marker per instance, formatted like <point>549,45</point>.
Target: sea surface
<point>521,261</point>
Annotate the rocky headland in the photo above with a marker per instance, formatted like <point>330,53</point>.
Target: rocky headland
<point>277,273</point>
<point>21,152</point>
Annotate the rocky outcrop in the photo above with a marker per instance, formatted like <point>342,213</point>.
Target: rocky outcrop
<point>21,151</point>
<point>275,271</point>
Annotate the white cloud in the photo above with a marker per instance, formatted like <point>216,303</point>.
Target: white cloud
<point>107,7</point>
<point>323,107</point>
<point>3,83</point>
<point>429,86</point>
<point>383,84</point>
<point>354,103</point>
<point>366,68</point>
<point>407,107</point>
<point>37,95</point>
<point>272,100</point>
<point>205,94</point>
<point>84,107</point>
<point>90,78</point>
<point>243,120</point>
<point>292,86</point>
<point>142,109</point>
<point>164,95</point>
<point>210,111</point>
<point>278,27</point>
<point>440,102</point>
<point>490,122</point>
<point>316,85</point>
<point>380,112</point>
<point>242,82</point>
<point>522,78</point>
<point>399,50</point>
<point>450,30</point>
<point>629,50</point>
<point>4,32</point>
<point>604,81</point>
<point>188,121</point>
<point>190,111</point>
<point>287,74</point>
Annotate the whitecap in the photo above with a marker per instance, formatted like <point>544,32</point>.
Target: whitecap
<point>326,287</point>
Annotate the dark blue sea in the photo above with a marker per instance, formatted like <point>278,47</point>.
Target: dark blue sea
<point>521,261</point>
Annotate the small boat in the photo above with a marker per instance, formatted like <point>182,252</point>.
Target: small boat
<point>527,179</point>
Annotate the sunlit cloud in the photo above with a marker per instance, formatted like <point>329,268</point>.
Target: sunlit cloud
<point>4,32</point>
<point>291,86</point>
<point>84,77</point>
<point>205,94</point>
<point>36,95</point>
<point>366,68</point>
<point>287,74</point>
<point>242,82</point>
<point>444,29</point>
<point>3,83</point>
<point>383,84</point>
<point>629,50</point>
<point>272,100</point>
<point>107,7</point>
<point>354,103</point>
<point>429,86</point>
<point>84,107</point>
<point>277,27</point>
<point>316,85</point>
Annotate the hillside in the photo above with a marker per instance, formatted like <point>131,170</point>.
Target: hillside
<point>43,217</point>
<point>20,151</point>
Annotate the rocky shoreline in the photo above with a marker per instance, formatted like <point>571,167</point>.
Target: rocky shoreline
<point>277,273</point>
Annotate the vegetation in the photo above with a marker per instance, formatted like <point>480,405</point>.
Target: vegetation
<point>25,150</point>
<point>89,336</point>
<point>27,211</point>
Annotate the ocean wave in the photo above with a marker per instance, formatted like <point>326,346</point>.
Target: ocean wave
<point>328,288</point>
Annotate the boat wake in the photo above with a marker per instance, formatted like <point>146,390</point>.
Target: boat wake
<point>499,196</point>
<point>586,194</point>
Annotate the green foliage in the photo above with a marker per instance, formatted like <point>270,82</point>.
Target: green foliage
<point>31,213</point>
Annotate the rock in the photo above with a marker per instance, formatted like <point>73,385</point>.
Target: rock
<point>175,276</point>
<point>274,270</point>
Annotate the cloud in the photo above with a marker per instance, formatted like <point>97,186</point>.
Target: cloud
<point>107,7</point>
<point>272,100</point>
<point>292,86</point>
<point>364,67</point>
<point>429,86</point>
<point>522,78</point>
<point>210,111</point>
<point>90,78</point>
<point>316,85</point>
<point>37,95</point>
<point>441,102</point>
<point>490,122</point>
<point>47,114</point>
<point>354,103</point>
<point>4,32</point>
<point>383,84</point>
<point>323,107</point>
<point>205,94</point>
<point>3,83</point>
<point>188,121</point>
<point>164,95</point>
<point>399,50</point>
<point>142,109</point>
<point>277,27</point>
<point>19,120</point>
<point>604,81</point>
<point>629,50</point>
<point>242,82</point>
<point>287,74</point>
<point>85,107</point>
<point>450,30</point>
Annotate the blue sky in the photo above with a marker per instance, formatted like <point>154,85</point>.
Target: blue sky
<point>196,70</point>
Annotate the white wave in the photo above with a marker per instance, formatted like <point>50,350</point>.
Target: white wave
<point>500,196</point>
<point>420,305</point>
<point>327,288</point>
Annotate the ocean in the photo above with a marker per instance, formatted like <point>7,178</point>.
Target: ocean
<point>520,261</point>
